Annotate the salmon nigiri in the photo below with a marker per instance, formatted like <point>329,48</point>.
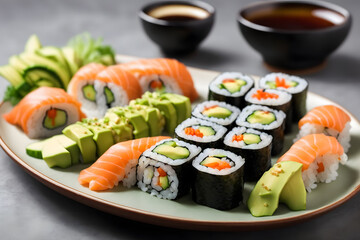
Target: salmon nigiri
<point>45,112</point>
<point>163,74</point>
<point>327,119</point>
<point>113,166</point>
<point>320,156</point>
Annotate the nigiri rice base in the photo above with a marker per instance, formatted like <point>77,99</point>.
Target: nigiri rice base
<point>343,137</point>
<point>331,164</point>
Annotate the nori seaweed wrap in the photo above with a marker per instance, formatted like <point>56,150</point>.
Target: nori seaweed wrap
<point>267,120</point>
<point>201,133</point>
<point>218,181</point>
<point>294,85</point>
<point>254,146</point>
<point>230,87</point>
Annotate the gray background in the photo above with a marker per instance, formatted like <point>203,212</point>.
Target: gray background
<point>29,210</point>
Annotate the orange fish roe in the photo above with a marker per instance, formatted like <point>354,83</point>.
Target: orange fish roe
<point>260,94</point>
<point>156,84</point>
<point>227,80</point>
<point>238,138</point>
<point>281,83</point>
<point>218,165</point>
<point>193,132</point>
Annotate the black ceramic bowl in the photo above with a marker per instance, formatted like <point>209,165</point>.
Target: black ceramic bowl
<point>177,31</point>
<point>287,43</point>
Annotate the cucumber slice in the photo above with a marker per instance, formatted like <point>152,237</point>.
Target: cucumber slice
<point>35,149</point>
<point>69,55</point>
<point>15,78</point>
<point>17,63</point>
<point>56,67</point>
<point>250,138</point>
<point>55,118</point>
<point>32,44</point>
<point>55,54</point>
<point>109,95</point>
<point>42,76</point>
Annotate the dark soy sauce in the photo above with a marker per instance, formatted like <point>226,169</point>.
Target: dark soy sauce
<point>296,17</point>
<point>179,18</point>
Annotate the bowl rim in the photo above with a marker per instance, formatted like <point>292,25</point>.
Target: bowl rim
<point>334,7</point>
<point>143,13</point>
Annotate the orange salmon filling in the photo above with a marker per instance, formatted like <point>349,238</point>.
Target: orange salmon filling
<point>238,138</point>
<point>281,83</point>
<point>260,94</point>
<point>193,132</point>
<point>218,165</point>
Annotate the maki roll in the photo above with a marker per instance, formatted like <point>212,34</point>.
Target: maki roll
<point>276,99</point>
<point>254,146</point>
<point>292,84</point>
<point>267,120</point>
<point>44,112</point>
<point>164,170</point>
<point>218,181</point>
<point>200,132</point>
<point>230,87</point>
<point>218,112</point>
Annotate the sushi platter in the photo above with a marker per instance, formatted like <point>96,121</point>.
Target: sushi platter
<point>183,212</point>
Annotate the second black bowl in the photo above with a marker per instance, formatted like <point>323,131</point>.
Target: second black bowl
<point>177,30</point>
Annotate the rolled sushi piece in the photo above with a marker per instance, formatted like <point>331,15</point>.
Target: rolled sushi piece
<point>164,170</point>
<point>267,120</point>
<point>273,98</point>
<point>218,181</point>
<point>254,146</point>
<point>44,112</point>
<point>294,85</point>
<point>218,112</point>
<point>320,156</point>
<point>230,87</point>
<point>201,133</point>
<point>104,88</point>
<point>162,75</point>
<point>327,119</point>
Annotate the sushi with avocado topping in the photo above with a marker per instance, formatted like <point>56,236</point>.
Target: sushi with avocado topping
<point>230,87</point>
<point>267,120</point>
<point>164,170</point>
<point>218,179</point>
<point>273,98</point>
<point>294,85</point>
<point>218,112</point>
<point>254,146</point>
<point>200,132</point>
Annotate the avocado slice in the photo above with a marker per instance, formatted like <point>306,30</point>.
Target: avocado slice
<point>172,151</point>
<point>55,155</point>
<point>15,79</point>
<point>55,118</point>
<point>119,126</point>
<point>152,116</point>
<point>55,54</point>
<point>70,146</point>
<point>217,112</point>
<point>84,139</point>
<point>209,160</point>
<point>102,136</point>
<point>41,76</point>
<point>164,182</point>
<point>207,130</point>
<point>69,55</point>
<point>282,183</point>
<point>182,105</point>
<point>233,86</point>
<point>250,138</point>
<point>17,63</point>
<point>260,116</point>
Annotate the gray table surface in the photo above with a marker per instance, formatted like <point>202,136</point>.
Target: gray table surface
<point>30,210</point>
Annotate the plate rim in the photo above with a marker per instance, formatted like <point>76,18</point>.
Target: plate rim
<point>173,221</point>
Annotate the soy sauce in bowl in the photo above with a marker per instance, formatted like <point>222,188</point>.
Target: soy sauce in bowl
<point>295,17</point>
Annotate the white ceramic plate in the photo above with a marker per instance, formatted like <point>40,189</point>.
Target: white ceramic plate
<point>184,213</point>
